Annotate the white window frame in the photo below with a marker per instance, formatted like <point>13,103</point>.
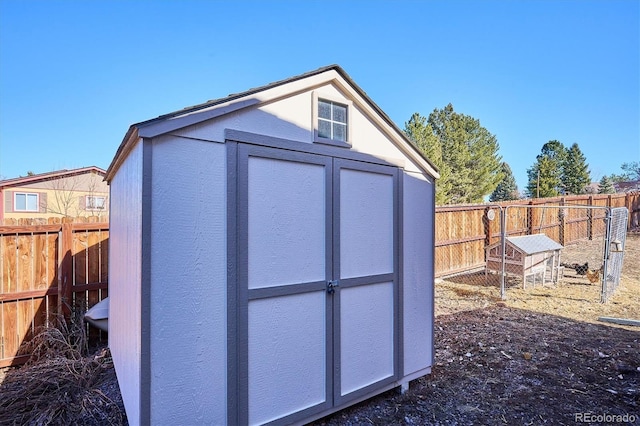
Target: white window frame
<point>26,204</point>
<point>340,101</point>
<point>91,206</point>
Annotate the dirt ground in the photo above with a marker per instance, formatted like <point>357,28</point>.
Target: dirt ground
<point>539,357</point>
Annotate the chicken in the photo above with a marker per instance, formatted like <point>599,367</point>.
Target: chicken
<point>593,275</point>
<point>580,269</point>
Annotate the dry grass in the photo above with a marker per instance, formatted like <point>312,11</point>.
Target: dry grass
<point>60,384</point>
<point>574,297</point>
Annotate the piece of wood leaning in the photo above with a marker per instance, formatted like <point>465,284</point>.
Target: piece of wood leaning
<point>621,321</point>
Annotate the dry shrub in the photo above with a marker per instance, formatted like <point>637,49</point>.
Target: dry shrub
<point>60,383</point>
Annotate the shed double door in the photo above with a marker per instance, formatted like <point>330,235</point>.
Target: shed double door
<point>318,282</point>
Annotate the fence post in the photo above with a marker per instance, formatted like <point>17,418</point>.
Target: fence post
<point>530,219</point>
<point>590,218</point>
<point>561,214</point>
<point>628,205</point>
<point>487,227</point>
<point>65,278</point>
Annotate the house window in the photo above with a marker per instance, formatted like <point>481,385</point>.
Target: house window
<point>95,203</point>
<point>332,120</point>
<point>25,202</point>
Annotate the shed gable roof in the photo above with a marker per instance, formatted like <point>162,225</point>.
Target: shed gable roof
<point>215,108</point>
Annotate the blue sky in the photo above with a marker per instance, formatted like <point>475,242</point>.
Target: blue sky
<point>74,75</point>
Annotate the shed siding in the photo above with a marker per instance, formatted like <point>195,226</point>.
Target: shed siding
<point>289,118</point>
<point>125,279</point>
<point>417,269</point>
<point>188,282</point>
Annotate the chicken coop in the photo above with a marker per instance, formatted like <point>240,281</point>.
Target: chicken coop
<point>535,258</point>
<point>271,256</point>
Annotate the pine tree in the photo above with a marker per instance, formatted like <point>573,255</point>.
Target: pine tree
<point>545,176</point>
<point>507,188</point>
<point>575,171</point>
<point>471,154</point>
<point>632,170</point>
<point>606,185</point>
<point>421,134</point>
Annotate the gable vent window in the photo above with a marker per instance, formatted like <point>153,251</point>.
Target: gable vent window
<point>332,120</point>
<point>331,117</point>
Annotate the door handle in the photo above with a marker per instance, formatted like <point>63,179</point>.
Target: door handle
<point>332,285</point>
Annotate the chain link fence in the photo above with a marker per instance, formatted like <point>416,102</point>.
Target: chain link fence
<point>614,256</point>
<point>572,252</point>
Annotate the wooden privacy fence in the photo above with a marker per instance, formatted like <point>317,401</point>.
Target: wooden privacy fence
<point>463,232</point>
<point>47,268</point>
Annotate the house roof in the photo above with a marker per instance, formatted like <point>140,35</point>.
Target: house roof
<point>530,244</point>
<point>627,186</point>
<point>214,108</point>
<point>41,177</point>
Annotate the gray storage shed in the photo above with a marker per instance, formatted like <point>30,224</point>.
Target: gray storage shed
<point>271,256</point>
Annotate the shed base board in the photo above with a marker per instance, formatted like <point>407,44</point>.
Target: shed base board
<point>402,384</point>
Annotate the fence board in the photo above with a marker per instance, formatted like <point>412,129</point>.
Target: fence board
<point>10,337</point>
<point>25,319</point>
<point>39,261</point>
<point>9,263</point>
<point>52,256</point>
<point>79,255</point>
<point>25,269</point>
<point>31,256</point>
<point>93,256</point>
<point>39,312</point>
<point>104,256</point>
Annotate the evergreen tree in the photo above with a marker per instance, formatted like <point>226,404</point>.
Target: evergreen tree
<point>632,170</point>
<point>421,134</point>
<point>545,176</point>
<point>575,171</point>
<point>606,185</point>
<point>470,153</point>
<point>507,188</point>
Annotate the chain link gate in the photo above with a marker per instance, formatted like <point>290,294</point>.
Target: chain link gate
<point>614,251</point>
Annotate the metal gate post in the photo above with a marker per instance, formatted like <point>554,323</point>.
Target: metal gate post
<point>503,243</point>
<point>607,244</point>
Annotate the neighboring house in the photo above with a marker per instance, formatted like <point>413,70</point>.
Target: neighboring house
<point>62,193</point>
<point>592,188</point>
<point>627,186</point>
